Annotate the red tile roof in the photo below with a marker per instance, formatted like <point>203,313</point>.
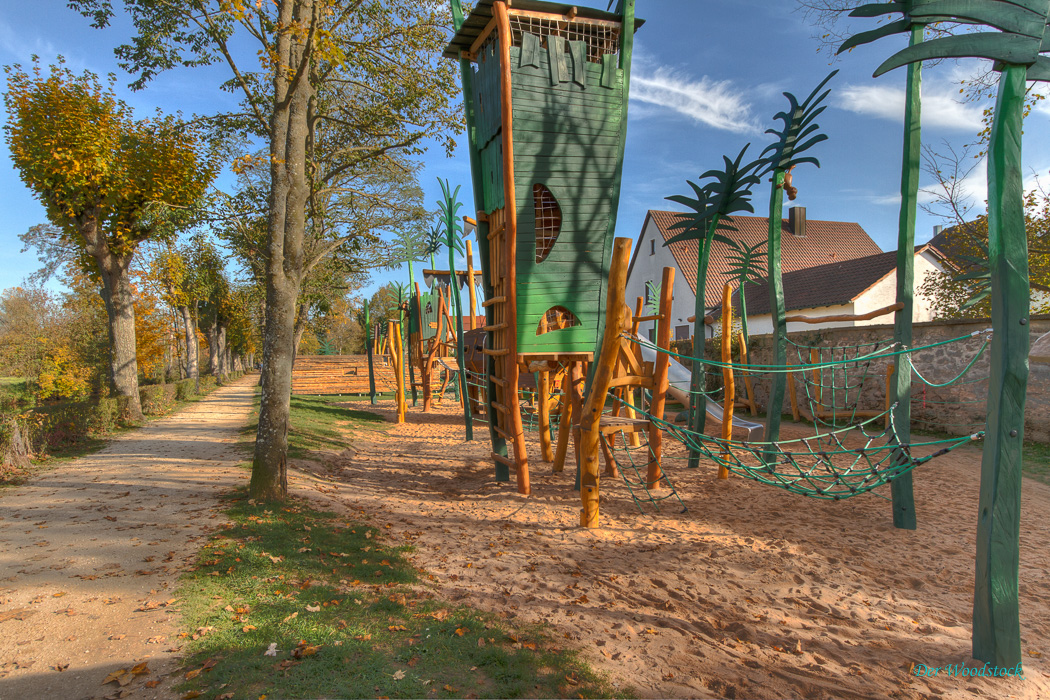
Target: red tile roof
<point>824,242</point>
<point>824,285</point>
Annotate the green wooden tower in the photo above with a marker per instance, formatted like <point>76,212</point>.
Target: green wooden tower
<point>545,90</point>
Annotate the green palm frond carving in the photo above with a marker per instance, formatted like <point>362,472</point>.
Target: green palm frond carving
<point>747,263</point>
<point>800,131</point>
<point>1019,41</point>
<point>727,193</point>
<point>450,206</point>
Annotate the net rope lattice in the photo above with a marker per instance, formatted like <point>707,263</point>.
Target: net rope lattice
<point>602,38</point>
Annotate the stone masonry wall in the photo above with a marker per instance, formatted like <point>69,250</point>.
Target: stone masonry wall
<point>957,409</point>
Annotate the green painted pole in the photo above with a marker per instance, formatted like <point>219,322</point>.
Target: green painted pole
<point>902,493</point>
<point>996,614</point>
<point>368,351</point>
<point>779,311</point>
<point>453,290</point>
<point>697,399</point>
<point>408,335</point>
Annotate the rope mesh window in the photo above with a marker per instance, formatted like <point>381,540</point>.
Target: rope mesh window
<point>548,220</point>
<point>556,318</point>
<point>602,38</point>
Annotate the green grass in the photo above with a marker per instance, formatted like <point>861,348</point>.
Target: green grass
<point>378,631</point>
<point>353,607</point>
<point>1036,456</point>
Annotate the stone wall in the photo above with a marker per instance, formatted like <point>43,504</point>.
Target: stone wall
<point>957,409</point>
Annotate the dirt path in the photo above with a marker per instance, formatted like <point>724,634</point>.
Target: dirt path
<point>90,553</point>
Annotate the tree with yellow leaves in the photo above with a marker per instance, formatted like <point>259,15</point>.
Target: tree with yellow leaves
<point>108,182</point>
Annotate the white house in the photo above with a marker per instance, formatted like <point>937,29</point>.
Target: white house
<point>852,287</point>
<point>805,243</point>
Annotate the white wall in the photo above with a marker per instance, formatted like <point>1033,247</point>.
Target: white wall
<point>648,267</point>
<point>884,293</point>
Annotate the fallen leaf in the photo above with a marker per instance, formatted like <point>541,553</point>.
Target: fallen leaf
<point>271,650</point>
<point>60,667</point>
<point>397,628</point>
<point>155,640</point>
<point>399,675</point>
<point>152,684</point>
<point>449,688</point>
<point>224,696</point>
<point>58,595</point>
<point>190,675</point>
<point>291,617</point>
<point>17,614</point>
<point>313,608</point>
<point>117,636</point>
<point>247,628</point>
<point>115,677</point>
<point>141,669</point>
<point>192,694</point>
<point>362,637</point>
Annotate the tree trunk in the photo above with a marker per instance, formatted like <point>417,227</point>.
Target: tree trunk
<point>120,309</point>
<point>224,353</point>
<point>212,333</point>
<point>190,339</point>
<point>284,246</point>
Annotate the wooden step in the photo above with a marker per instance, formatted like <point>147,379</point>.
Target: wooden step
<point>493,300</point>
<point>504,460</point>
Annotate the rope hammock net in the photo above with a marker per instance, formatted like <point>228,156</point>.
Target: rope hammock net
<point>849,454</point>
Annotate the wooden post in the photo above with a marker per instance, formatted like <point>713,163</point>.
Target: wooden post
<point>565,424</point>
<point>748,386</point>
<point>818,388</point>
<point>889,390</point>
<point>393,333</point>
<point>660,380</point>
<point>794,397</point>
<point>472,294</point>
<point>729,397</point>
<point>545,416</point>
<point>510,360</point>
<point>603,374</point>
<point>371,363</point>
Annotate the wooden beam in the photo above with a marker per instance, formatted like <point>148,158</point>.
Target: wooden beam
<point>729,395</point>
<point>482,37</point>
<point>554,17</point>
<point>544,388</point>
<point>892,308</point>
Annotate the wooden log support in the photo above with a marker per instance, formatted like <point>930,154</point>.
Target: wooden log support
<point>603,374</point>
<point>793,393</point>
<point>396,361</point>
<point>544,384</point>
<point>510,362</point>
<point>565,424</point>
<point>661,383</point>
<point>729,399</point>
<point>748,385</point>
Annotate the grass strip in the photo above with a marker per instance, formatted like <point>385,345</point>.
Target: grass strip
<point>292,602</point>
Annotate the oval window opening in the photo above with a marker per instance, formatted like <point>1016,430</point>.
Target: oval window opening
<point>548,220</point>
<point>557,318</point>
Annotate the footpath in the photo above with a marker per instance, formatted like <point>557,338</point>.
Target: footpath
<point>90,554</point>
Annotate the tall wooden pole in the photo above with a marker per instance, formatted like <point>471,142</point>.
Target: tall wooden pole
<point>599,388</point>
<point>660,379</point>
<point>729,382</point>
<point>472,293</point>
<point>369,347</point>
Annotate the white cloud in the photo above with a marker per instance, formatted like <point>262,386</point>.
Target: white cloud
<point>715,103</point>
<point>940,109</point>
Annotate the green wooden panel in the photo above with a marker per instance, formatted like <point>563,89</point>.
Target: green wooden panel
<point>563,126</point>
<point>545,134</point>
<point>598,98</point>
<point>578,52</point>
<point>530,50</point>
<point>528,106</point>
<point>556,60</point>
<point>610,72</point>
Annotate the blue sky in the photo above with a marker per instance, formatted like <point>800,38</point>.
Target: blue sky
<point>708,77</point>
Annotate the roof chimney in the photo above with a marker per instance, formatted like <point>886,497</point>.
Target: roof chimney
<point>937,229</point>
<point>797,219</point>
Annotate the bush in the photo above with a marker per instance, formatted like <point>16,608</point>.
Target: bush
<point>185,389</point>
<point>208,384</point>
<point>157,399</point>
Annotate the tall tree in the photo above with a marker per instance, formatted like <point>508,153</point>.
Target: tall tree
<point>108,184</point>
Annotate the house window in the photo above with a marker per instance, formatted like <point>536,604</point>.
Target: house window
<point>548,220</point>
<point>652,335</point>
<point>648,292</point>
<point>652,247</point>
<point>681,332</point>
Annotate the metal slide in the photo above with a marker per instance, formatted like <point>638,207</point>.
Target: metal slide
<point>679,378</point>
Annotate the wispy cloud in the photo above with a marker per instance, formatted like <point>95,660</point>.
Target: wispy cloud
<point>940,109</point>
<point>715,103</point>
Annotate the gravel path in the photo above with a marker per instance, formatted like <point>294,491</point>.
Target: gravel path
<point>90,554</point>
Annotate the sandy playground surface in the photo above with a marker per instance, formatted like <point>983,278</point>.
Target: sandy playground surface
<point>752,593</point>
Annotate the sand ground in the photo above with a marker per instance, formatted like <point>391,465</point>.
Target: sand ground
<point>90,553</point>
<point>753,592</point>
